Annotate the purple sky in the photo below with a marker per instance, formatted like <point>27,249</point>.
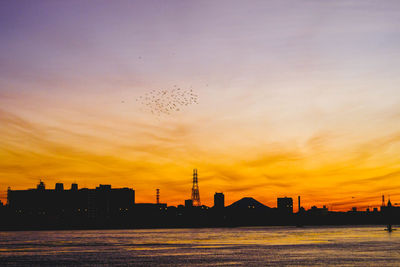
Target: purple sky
<point>311,84</point>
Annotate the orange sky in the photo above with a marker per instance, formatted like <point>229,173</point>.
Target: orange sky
<point>298,99</point>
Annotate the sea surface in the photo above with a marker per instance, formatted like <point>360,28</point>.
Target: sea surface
<point>250,246</point>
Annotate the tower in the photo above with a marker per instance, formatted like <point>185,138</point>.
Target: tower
<point>41,186</point>
<point>195,190</point>
<point>158,195</point>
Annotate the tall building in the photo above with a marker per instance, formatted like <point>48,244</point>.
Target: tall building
<point>285,204</point>
<point>219,200</point>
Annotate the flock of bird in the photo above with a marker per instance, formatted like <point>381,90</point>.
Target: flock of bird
<point>167,101</point>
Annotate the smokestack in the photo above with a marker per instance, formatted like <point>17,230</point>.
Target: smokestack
<point>298,199</point>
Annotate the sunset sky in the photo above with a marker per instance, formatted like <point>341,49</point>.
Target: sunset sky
<point>295,98</point>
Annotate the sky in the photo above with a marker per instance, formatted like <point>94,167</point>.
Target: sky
<point>294,98</point>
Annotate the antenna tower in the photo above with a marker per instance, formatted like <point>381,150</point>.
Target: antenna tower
<point>195,190</point>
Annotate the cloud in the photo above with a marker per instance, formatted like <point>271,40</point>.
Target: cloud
<point>370,180</point>
<point>145,156</point>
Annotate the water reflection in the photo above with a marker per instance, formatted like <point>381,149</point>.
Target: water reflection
<point>368,245</point>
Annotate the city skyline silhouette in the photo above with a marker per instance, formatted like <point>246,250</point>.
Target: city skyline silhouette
<point>195,197</point>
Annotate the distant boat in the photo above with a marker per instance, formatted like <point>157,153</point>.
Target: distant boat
<point>389,228</point>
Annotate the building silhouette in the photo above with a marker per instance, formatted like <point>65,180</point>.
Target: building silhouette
<point>219,200</point>
<point>74,187</point>
<point>285,204</point>
<point>319,211</point>
<point>389,208</point>
<point>103,201</point>
<point>107,207</point>
<point>59,187</point>
<point>188,203</point>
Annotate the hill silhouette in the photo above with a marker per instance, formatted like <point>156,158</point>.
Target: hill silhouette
<point>247,202</point>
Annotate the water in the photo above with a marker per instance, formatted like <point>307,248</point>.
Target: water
<point>257,246</point>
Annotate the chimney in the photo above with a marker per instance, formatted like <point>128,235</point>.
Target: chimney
<point>298,199</point>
